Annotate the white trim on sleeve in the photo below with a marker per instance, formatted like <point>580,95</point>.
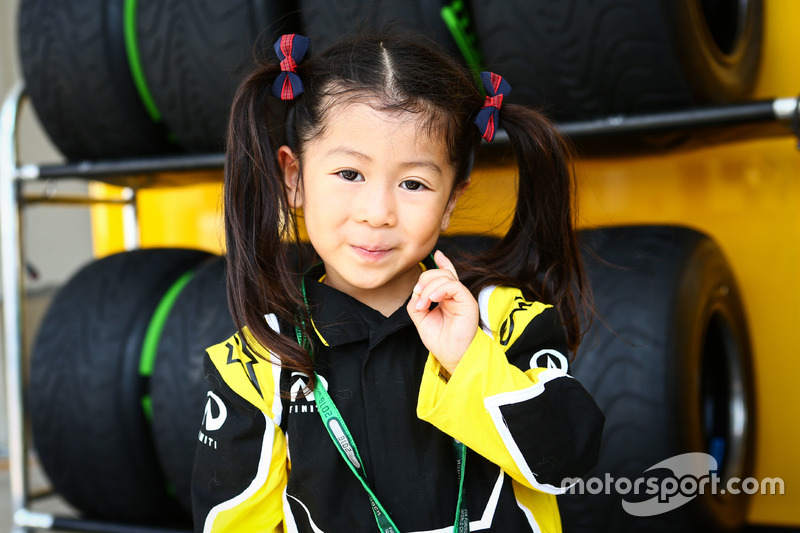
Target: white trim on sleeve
<point>483,307</point>
<point>493,404</point>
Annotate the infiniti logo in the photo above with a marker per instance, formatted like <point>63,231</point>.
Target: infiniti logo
<point>214,416</point>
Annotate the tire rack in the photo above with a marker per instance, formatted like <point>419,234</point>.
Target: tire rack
<point>12,201</point>
<point>733,122</point>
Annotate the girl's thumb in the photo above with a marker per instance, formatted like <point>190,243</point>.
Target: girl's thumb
<point>443,262</point>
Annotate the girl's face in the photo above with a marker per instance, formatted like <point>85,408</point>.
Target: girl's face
<point>375,192</point>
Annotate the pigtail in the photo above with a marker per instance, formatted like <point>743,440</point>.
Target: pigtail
<point>261,278</point>
<point>540,252</point>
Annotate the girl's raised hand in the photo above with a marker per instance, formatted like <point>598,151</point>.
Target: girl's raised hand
<point>449,328</point>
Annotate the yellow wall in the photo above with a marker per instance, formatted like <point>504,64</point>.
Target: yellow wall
<point>745,195</point>
<point>184,217</point>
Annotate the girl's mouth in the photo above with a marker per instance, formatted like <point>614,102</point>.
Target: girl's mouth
<point>371,253</point>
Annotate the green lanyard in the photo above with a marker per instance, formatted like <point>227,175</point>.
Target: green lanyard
<point>341,437</point>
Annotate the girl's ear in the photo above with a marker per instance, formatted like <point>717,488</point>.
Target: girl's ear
<point>291,175</point>
<point>451,204</point>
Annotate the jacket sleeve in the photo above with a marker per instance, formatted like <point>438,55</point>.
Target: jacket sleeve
<point>241,466</point>
<point>512,399</point>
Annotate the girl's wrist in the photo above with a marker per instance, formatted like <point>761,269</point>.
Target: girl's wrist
<point>448,368</point>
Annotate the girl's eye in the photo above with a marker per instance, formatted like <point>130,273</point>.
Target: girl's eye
<point>412,185</point>
<point>350,175</point>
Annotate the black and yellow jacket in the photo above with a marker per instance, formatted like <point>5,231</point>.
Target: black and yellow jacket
<point>266,463</point>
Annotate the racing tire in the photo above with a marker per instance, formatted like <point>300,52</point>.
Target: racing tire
<point>86,392</point>
<point>194,54</point>
<point>199,318</point>
<point>580,59</point>
<point>325,20</point>
<point>668,360</point>
<point>78,76</point>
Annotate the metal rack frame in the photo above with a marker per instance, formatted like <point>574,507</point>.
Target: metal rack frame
<point>12,201</point>
<point>765,115</point>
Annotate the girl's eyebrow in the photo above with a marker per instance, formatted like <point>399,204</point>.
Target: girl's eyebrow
<point>426,164</point>
<point>343,150</point>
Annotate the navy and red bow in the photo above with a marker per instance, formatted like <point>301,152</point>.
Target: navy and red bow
<point>496,89</point>
<point>290,49</point>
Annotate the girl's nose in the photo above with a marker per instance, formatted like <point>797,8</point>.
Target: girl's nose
<point>375,205</point>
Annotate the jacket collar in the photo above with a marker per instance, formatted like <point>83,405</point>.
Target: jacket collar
<point>340,319</point>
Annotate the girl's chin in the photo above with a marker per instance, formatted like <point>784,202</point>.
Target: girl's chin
<point>375,284</point>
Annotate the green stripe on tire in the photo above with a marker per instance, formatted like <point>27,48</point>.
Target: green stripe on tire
<point>456,18</point>
<point>135,60</point>
<point>153,335</point>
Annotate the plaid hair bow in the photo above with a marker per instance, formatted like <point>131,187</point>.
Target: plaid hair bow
<point>290,49</point>
<point>496,89</point>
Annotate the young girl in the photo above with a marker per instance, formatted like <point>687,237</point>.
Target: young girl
<point>387,388</point>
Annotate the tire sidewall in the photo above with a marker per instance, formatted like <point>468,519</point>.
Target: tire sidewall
<point>656,289</point>
<point>708,290</point>
<point>731,76</point>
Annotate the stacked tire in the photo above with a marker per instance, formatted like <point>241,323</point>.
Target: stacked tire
<point>89,384</point>
<point>668,360</point>
<point>79,80</point>
<point>581,59</point>
<point>117,391</point>
<point>126,78</point>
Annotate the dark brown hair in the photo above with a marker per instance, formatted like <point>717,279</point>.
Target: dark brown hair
<point>539,254</point>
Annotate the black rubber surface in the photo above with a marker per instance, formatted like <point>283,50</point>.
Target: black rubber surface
<point>655,289</point>
<point>76,72</point>
<point>199,319</point>
<point>325,21</point>
<point>586,58</point>
<point>85,392</point>
<point>195,53</point>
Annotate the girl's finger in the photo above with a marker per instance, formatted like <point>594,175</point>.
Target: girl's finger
<point>428,276</point>
<point>416,314</point>
<point>443,262</point>
<point>430,291</point>
<point>451,290</point>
